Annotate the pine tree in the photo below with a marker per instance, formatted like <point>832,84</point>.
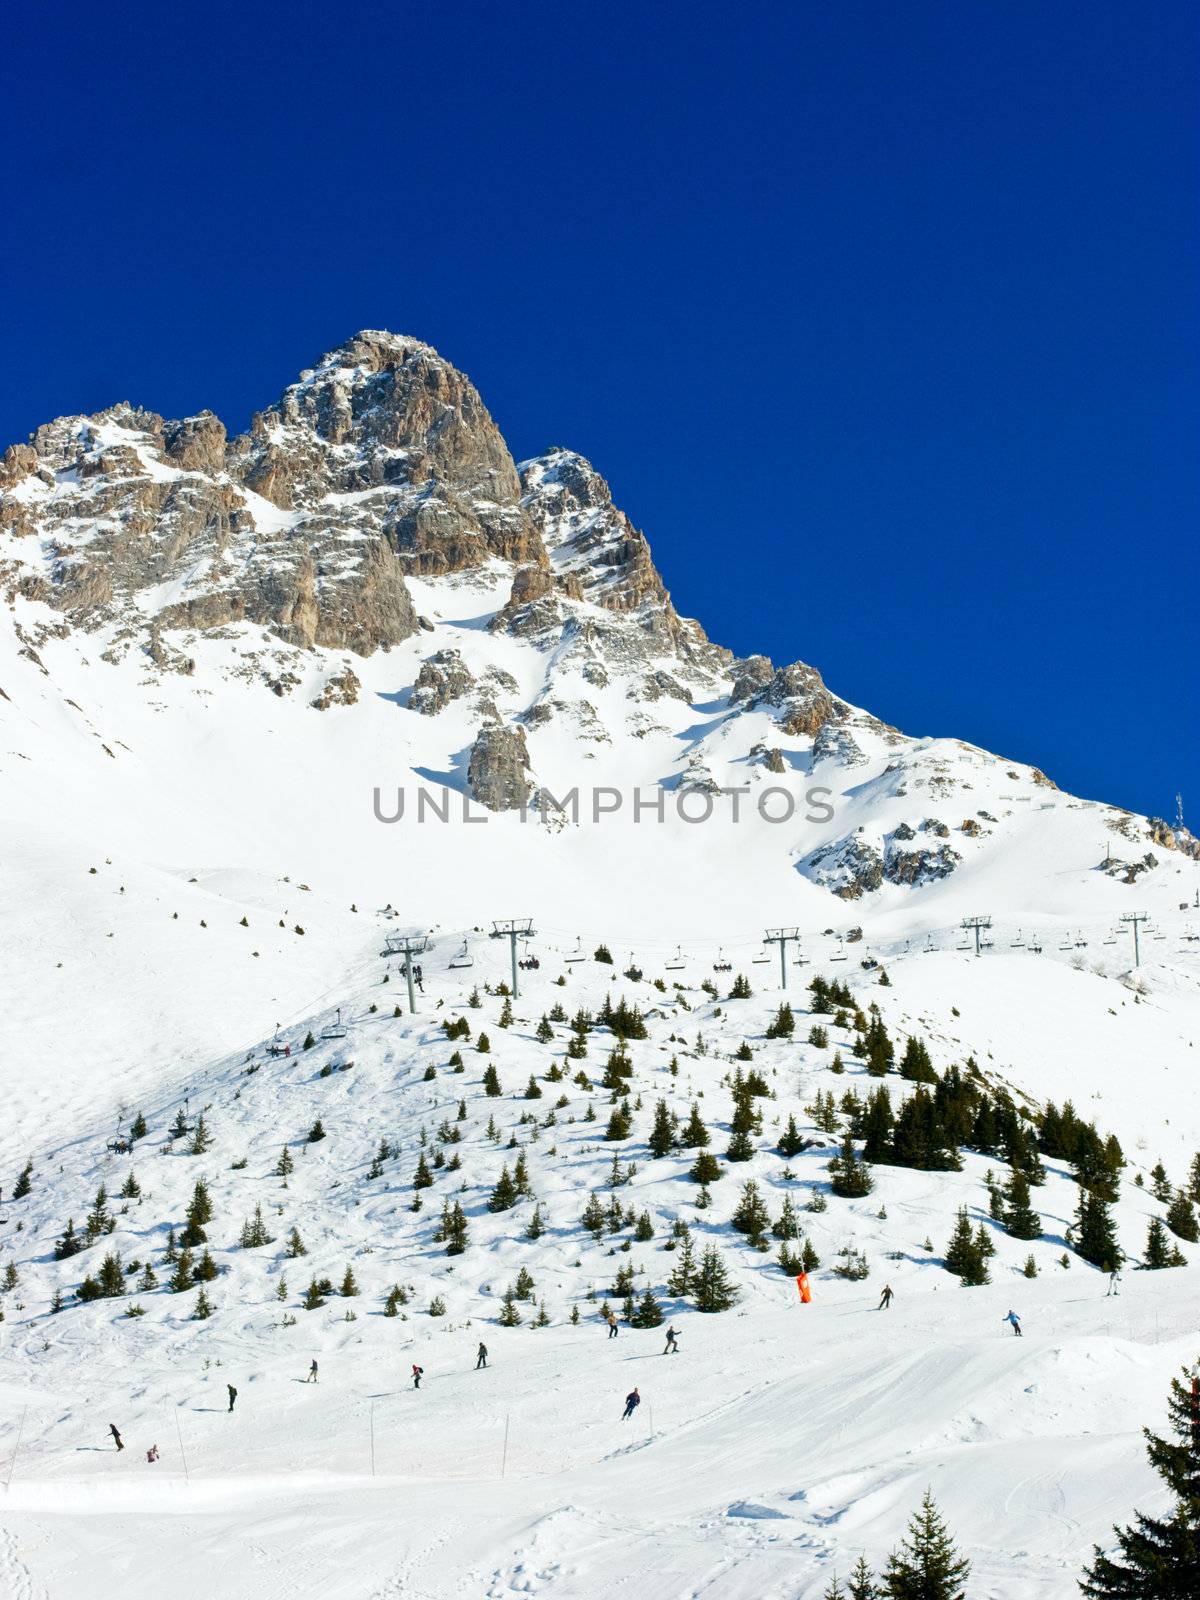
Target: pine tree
<point>784,1024</point>
<point>148,1279</point>
<point>705,1169</point>
<point>1160,1252</point>
<point>313,1298</point>
<point>751,1215</point>
<point>182,1279</point>
<point>422,1177</point>
<point>741,1146</point>
<point>201,1139</point>
<point>787,1227</point>
<point>491,1082</point>
<point>927,1566</point>
<point>506,1013</point>
<point>483,1044</point>
<point>131,1188</point>
<point>254,1232</point>
<point>1020,1218</point>
<point>1193,1183</point>
<point>504,1196</point>
<point>349,1283</point>
<point>683,1277</point>
<point>533,1089</point>
<point>662,1134</point>
<point>1181,1219</point>
<point>1160,1556</point>
<point>915,1063</point>
<point>509,1316</point>
<point>593,1216</point>
<point>137,1129</point>
<point>295,1245</point>
<point>545,1033</point>
<point>70,1244</point>
<point>1096,1233</point>
<point>648,1313</point>
<point>963,1255</point>
<point>791,1141</point>
<point>285,1164</point>
<point>712,1288</point>
<point>204,1306</point>
<point>317,1132</point>
<point>205,1269</point>
<point>24,1182</point>
<point>850,1177</point>
<point>695,1134</point>
<point>619,1123</point>
<point>862,1582</point>
<point>1160,1185</point>
<point>111,1277</point>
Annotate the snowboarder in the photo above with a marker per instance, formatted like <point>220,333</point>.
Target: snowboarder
<point>417,1375</point>
<point>672,1348</point>
<point>481,1359</point>
<point>1114,1279</point>
<point>1016,1326</point>
<point>613,1329</point>
<point>232,1395</point>
<point>312,1373</point>
<point>885,1300</point>
<point>632,1401</point>
<point>152,1453</point>
<point>112,1428</point>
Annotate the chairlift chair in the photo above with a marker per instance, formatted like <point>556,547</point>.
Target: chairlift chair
<point>576,954</point>
<point>720,964</point>
<point>676,963</point>
<point>463,958</point>
<point>841,954</point>
<point>758,960</point>
<point>335,1029</point>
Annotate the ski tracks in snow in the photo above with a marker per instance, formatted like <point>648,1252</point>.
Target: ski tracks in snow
<point>17,1582</point>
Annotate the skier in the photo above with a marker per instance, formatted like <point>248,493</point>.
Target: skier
<point>112,1428</point>
<point>672,1348</point>
<point>1016,1326</point>
<point>312,1373</point>
<point>613,1329</point>
<point>232,1396</point>
<point>481,1359</point>
<point>1114,1279</point>
<point>152,1453</point>
<point>419,976</point>
<point>885,1299</point>
<point>417,1375</point>
<point>632,1401</point>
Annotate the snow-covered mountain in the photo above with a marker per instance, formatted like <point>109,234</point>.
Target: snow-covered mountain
<point>224,665</point>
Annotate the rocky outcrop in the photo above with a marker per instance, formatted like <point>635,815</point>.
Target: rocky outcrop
<point>800,699</point>
<point>750,677</point>
<point>837,744</point>
<point>498,768</point>
<point>341,689</point>
<point>912,868</point>
<point>443,677</point>
<point>848,868</point>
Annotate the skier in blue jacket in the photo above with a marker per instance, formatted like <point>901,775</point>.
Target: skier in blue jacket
<point>1016,1326</point>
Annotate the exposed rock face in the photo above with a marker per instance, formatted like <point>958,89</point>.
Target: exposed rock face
<point>1160,832</point>
<point>849,868</point>
<point>799,696</point>
<point>836,743</point>
<point>924,865</point>
<point>498,770</point>
<point>443,677</point>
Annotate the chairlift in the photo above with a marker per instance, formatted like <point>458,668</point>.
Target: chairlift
<point>463,958</point>
<point>841,954</point>
<point>1112,939</point>
<point>277,1046</point>
<point>576,954</point>
<point>801,959</point>
<point>929,948</point>
<point>1036,948</point>
<point>764,955</point>
<point>676,963</point>
<point>335,1029</point>
<point>720,964</point>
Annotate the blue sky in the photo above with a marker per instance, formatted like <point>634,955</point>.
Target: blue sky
<point>881,320</point>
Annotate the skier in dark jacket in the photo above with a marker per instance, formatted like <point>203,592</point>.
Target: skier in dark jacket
<point>418,1373</point>
<point>232,1395</point>
<point>1016,1326</point>
<point>312,1373</point>
<point>112,1428</point>
<point>672,1347</point>
<point>885,1299</point>
<point>481,1358</point>
<point>632,1401</point>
